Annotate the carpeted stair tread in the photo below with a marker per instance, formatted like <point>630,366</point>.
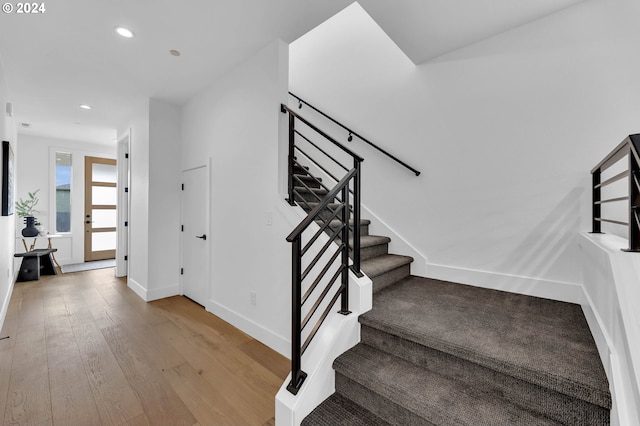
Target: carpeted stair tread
<point>340,411</point>
<point>412,395</point>
<point>537,399</point>
<point>318,191</point>
<point>310,205</point>
<point>305,178</point>
<point>541,341</point>
<point>337,222</point>
<point>371,246</point>
<point>381,264</point>
<point>371,240</point>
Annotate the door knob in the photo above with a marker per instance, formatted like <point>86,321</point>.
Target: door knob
<point>203,236</point>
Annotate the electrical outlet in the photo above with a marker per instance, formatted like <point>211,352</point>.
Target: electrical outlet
<point>253,298</point>
<point>269,218</point>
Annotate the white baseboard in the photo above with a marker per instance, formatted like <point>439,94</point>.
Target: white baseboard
<point>274,341</point>
<point>161,293</point>
<point>137,288</point>
<point>548,289</point>
<point>153,294</point>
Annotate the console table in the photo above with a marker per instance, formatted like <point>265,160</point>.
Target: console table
<point>32,246</point>
<point>36,262</point>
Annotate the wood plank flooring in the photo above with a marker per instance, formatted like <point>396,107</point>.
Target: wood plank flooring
<point>83,349</point>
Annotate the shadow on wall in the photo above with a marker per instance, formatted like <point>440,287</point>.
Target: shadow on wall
<point>551,243</point>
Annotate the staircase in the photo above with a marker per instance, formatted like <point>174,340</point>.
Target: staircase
<point>439,353</point>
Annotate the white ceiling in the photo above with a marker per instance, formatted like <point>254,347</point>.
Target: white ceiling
<point>426,29</point>
<point>70,55</point>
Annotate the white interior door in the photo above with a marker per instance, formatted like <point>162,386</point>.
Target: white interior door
<point>195,238</point>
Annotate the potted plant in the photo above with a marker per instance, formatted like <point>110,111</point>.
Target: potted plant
<point>27,208</point>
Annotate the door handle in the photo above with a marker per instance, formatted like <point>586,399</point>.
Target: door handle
<point>203,236</point>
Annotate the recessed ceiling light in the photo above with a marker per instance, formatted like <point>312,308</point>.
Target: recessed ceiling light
<point>84,106</point>
<point>124,32</point>
<point>174,52</point>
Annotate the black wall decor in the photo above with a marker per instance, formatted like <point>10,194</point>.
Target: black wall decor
<point>7,179</point>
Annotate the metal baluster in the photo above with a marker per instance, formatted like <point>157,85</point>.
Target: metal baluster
<point>344,297</point>
<point>297,375</point>
<point>634,196</point>
<point>291,157</point>
<point>356,217</point>
<point>596,227</point>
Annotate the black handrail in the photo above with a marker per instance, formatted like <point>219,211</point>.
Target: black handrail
<point>630,148</point>
<point>353,133</point>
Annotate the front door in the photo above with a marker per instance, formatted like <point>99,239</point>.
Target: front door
<point>195,238</point>
<point>100,199</point>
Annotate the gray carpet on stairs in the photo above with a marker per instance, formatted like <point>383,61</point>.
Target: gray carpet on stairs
<point>406,394</point>
<point>538,340</point>
<point>440,353</point>
<point>340,411</point>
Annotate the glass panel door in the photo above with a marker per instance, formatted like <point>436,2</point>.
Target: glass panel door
<point>100,208</point>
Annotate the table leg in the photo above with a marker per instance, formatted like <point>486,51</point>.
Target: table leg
<point>53,256</point>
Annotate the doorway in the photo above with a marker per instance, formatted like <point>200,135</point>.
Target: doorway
<point>100,201</point>
<point>195,238</point>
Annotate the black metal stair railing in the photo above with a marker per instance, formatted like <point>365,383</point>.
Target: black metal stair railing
<point>354,187</point>
<point>317,262</point>
<point>627,148</point>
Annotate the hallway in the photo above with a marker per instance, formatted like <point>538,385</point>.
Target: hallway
<point>84,349</point>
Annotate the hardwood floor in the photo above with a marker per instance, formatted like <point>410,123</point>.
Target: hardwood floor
<point>85,350</point>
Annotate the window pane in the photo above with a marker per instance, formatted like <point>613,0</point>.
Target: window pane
<point>104,195</point>
<point>103,241</point>
<point>104,173</point>
<point>103,218</point>
<point>63,192</point>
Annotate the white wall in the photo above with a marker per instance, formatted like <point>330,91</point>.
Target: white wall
<point>138,268</point>
<point>7,223</point>
<point>505,132</point>
<point>154,197</point>
<point>164,200</point>
<point>36,170</point>
<point>235,124</point>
